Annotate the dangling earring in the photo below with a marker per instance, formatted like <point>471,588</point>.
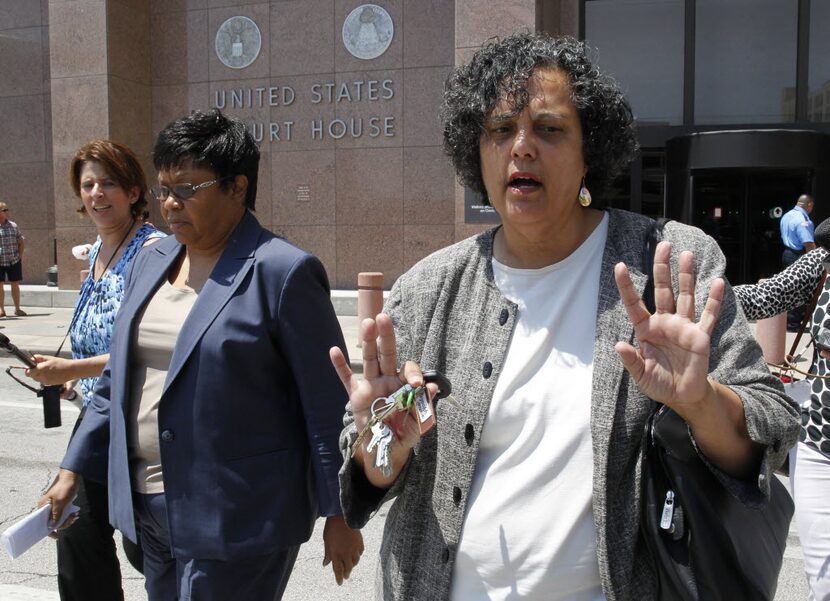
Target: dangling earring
<point>584,195</point>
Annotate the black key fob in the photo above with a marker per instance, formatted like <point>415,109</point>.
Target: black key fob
<point>444,386</point>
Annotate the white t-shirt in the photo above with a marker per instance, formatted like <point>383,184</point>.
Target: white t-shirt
<point>529,528</point>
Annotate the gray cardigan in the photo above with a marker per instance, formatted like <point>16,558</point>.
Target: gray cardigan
<point>449,315</point>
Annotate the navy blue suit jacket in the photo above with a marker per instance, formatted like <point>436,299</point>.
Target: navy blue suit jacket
<point>251,409</point>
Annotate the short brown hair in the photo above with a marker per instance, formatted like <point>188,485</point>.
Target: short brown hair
<point>121,164</point>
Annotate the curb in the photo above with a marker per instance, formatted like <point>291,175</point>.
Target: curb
<point>33,295</point>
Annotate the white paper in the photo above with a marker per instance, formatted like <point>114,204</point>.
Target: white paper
<point>24,534</point>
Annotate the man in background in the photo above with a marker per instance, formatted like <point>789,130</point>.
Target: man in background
<point>11,265</point>
<point>797,235</point>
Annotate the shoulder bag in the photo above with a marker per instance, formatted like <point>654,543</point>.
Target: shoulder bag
<point>705,544</point>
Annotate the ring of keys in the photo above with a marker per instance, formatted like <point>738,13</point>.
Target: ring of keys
<point>382,436</point>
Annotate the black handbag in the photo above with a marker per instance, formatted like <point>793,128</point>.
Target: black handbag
<point>705,544</point>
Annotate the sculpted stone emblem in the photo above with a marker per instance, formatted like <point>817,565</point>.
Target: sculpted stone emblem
<point>238,42</point>
<point>368,31</point>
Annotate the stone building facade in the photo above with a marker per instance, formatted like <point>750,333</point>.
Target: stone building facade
<point>352,167</point>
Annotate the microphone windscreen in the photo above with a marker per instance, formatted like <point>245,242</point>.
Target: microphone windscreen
<point>822,234</point>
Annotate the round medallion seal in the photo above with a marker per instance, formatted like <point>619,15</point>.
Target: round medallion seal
<point>238,42</point>
<point>368,31</point>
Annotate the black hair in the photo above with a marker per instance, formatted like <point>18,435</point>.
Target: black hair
<point>499,70</point>
<point>210,141</point>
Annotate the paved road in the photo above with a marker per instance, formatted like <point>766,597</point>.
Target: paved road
<point>29,455</point>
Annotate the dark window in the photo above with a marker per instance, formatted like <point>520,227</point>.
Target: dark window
<point>653,182</point>
<point>745,61</point>
<point>640,44</point>
<point>819,71</point>
<point>618,193</point>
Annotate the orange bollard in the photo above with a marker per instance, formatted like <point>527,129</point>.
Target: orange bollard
<point>369,297</point>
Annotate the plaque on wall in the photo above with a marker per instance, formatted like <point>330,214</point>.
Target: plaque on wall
<point>238,42</point>
<point>368,31</point>
<point>475,211</point>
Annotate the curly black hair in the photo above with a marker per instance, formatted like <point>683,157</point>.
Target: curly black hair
<point>214,141</point>
<point>500,70</point>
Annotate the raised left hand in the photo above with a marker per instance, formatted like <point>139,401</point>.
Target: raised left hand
<point>672,363</point>
<point>343,547</point>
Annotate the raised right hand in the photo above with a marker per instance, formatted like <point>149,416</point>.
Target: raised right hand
<point>381,378</point>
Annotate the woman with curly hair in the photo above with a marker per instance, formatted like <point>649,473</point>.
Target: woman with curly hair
<point>529,485</point>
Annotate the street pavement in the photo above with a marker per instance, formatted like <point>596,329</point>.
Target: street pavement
<point>30,454</point>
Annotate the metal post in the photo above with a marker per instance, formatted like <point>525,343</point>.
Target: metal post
<point>369,297</point>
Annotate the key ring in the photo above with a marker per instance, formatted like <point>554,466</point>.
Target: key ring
<point>385,399</point>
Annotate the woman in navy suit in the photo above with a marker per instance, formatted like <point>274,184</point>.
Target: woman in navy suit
<point>215,422</point>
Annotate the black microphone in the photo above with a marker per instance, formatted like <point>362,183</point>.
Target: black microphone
<point>25,357</point>
<point>51,395</point>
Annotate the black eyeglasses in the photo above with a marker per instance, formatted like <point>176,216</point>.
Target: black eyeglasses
<point>182,192</point>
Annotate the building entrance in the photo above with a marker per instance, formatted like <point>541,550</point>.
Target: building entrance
<point>735,185</point>
<point>741,209</point>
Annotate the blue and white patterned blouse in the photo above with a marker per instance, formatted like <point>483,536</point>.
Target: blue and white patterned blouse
<point>98,303</point>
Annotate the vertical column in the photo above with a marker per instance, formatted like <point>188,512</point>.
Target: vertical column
<point>25,148</point>
<point>100,88</point>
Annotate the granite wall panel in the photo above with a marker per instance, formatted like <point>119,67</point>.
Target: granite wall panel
<point>303,36</point>
<point>164,6</point>
<point>369,184</point>
<point>80,112</point>
<point>428,186</point>
<point>180,47</point>
<point>128,41</point>
<point>423,91</point>
<point>303,188</point>
<point>426,23</point>
<point>17,14</point>
<point>77,38</point>
<point>131,106</point>
<point>21,61</point>
<point>369,248</point>
<point>174,101</point>
<point>478,20</point>
<point>22,137</point>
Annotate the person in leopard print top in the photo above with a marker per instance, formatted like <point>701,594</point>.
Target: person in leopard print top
<point>810,458</point>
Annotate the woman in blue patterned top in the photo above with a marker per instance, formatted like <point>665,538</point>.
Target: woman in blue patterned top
<point>110,182</point>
